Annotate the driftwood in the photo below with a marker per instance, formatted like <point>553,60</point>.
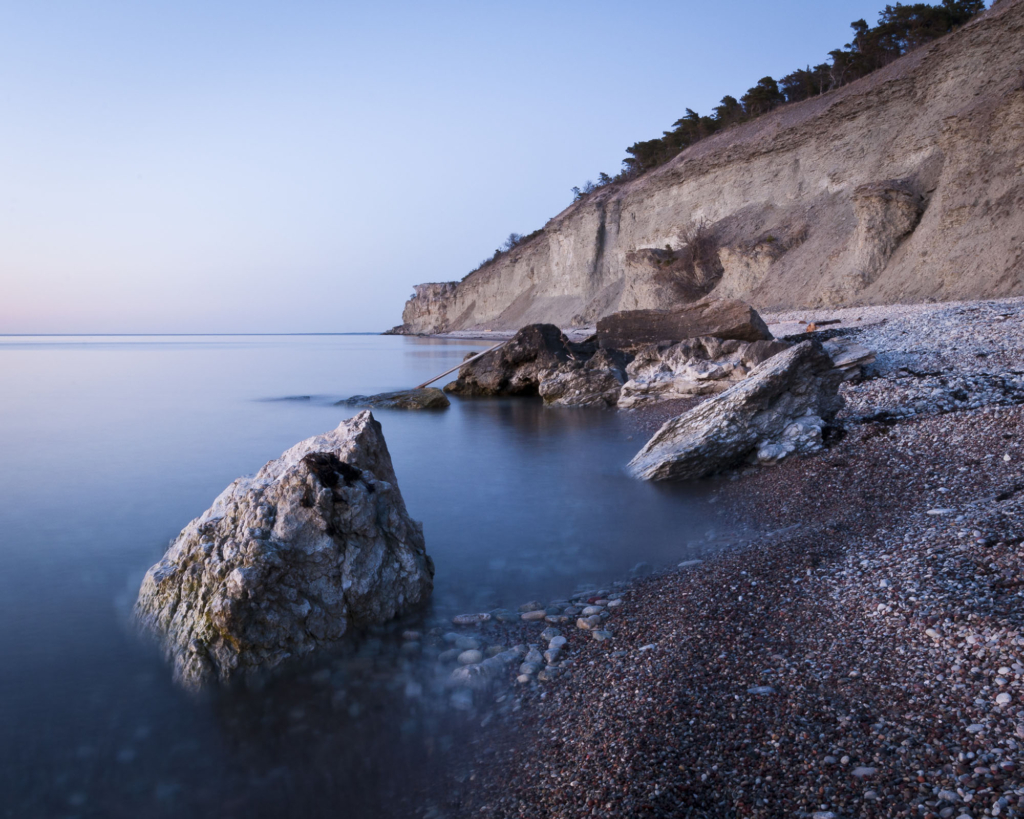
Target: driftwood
<point>460,365</point>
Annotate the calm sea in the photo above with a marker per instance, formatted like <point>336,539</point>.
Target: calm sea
<point>111,444</point>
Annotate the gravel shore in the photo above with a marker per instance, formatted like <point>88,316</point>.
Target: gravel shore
<point>863,655</point>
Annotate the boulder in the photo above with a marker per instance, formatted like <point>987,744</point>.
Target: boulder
<point>697,366</point>
<point>425,398</point>
<point>286,561</point>
<point>721,318</point>
<point>540,360</point>
<point>779,409</point>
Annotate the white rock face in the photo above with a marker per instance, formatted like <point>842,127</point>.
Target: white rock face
<point>285,561</point>
<point>870,194</point>
<point>778,410</point>
<point>698,366</point>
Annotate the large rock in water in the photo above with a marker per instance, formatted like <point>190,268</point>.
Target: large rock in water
<point>697,366</point>
<point>721,318</point>
<point>779,409</point>
<point>540,360</point>
<point>284,562</point>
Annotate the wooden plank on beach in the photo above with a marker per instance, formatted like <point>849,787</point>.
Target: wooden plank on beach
<point>461,364</point>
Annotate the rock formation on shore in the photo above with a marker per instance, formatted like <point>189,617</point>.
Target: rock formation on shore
<point>780,409</point>
<point>286,561</point>
<point>540,360</point>
<point>904,186</point>
<point>697,366</point>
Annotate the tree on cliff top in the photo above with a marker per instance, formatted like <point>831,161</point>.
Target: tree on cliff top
<point>900,29</point>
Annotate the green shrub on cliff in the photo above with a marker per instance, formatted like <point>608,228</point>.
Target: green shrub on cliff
<point>901,28</point>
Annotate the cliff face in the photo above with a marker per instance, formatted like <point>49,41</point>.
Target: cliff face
<point>905,186</point>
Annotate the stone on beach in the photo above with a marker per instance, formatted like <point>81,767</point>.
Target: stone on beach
<point>848,355</point>
<point>780,409</point>
<point>417,399</point>
<point>285,561</point>
<point>722,318</point>
<point>470,619</point>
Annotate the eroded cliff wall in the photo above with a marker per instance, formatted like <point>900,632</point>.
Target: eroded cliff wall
<point>905,186</point>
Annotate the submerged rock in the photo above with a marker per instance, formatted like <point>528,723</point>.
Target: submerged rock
<point>285,561</point>
<point>425,398</point>
<point>540,360</point>
<point>697,366</point>
<point>780,409</point>
<point>721,318</point>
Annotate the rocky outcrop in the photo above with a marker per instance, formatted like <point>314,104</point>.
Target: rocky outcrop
<point>780,409</point>
<point>285,562</point>
<point>849,356</point>
<point>540,360</point>
<point>423,398</point>
<point>721,318</point>
<point>597,383</point>
<point>698,366</point>
<point>904,186</point>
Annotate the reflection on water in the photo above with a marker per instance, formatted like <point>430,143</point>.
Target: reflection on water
<point>111,445</point>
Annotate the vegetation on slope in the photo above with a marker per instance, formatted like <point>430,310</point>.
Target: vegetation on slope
<point>900,29</point>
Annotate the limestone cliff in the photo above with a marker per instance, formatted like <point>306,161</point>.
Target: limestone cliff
<point>907,185</point>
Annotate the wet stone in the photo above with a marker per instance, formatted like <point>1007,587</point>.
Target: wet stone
<point>471,619</point>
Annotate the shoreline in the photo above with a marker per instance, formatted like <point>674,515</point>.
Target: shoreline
<point>866,659</point>
<point>780,323</point>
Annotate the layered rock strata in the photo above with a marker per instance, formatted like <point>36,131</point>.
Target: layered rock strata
<point>285,562</point>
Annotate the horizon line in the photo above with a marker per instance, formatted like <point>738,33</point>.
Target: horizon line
<point>147,335</point>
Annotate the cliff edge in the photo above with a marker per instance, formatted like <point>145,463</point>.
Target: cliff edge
<point>905,186</point>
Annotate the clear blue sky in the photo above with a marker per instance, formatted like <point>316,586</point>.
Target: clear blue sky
<point>297,167</point>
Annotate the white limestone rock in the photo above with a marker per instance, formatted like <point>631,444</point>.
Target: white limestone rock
<point>778,410</point>
<point>286,561</point>
<point>697,366</point>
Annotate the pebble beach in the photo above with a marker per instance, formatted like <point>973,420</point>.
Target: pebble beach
<point>860,654</point>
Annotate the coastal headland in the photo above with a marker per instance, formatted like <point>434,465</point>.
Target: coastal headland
<point>903,186</point>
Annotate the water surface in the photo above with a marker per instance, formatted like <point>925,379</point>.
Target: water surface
<point>112,444</point>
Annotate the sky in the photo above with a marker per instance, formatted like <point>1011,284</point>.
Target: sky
<point>280,167</point>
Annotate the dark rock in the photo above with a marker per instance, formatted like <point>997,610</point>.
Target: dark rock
<point>426,398</point>
<point>721,318</point>
<point>540,360</point>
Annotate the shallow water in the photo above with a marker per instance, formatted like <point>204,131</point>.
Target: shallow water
<point>112,444</point>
